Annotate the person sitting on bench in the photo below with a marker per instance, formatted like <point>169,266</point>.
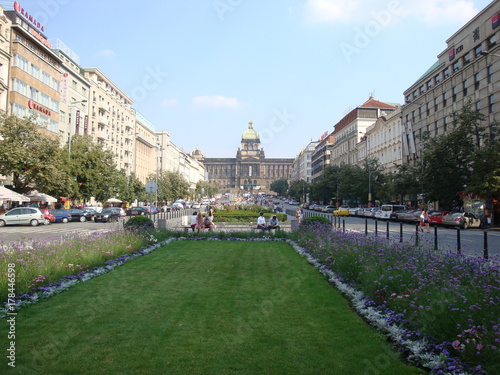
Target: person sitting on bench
<point>261,222</point>
<point>273,223</point>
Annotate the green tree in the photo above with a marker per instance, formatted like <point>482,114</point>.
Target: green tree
<point>205,188</point>
<point>93,170</point>
<point>279,186</point>
<point>464,160</point>
<point>298,190</point>
<point>31,156</point>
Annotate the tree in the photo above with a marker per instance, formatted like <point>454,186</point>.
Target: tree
<point>298,189</point>
<point>31,156</point>
<point>171,185</point>
<point>280,186</point>
<point>205,188</point>
<point>464,160</point>
<point>92,169</point>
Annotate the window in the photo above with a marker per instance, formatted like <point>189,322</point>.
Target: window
<point>464,88</point>
<point>436,125</point>
<point>489,70</point>
<point>73,85</point>
<point>421,90</point>
<point>467,58</point>
<point>478,50</point>
<point>491,103</point>
<point>477,81</point>
<point>429,84</point>
<point>445,124</point>
<point>437,78</point>
<point>478,105</point>
<point>492,41</point>
<point>435,104</point>
<point>428,108</point>
<point>456,66</point>
<point>454,94</point>
<point>446,72</point>
<point>445,97</point>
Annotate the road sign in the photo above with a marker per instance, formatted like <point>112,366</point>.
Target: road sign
<point>151,187</point>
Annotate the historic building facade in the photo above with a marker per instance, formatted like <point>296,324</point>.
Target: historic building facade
<point>249,171</point>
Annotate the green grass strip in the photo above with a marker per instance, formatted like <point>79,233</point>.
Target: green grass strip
<point>201,307</point>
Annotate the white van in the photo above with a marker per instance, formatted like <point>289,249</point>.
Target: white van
<point>387,209</point>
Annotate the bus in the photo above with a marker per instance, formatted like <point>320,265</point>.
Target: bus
<point>387,210</point>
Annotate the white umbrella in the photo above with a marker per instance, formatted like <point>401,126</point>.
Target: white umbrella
<point>36,196</point>
<point>113,200</point>
<point>11,195</point>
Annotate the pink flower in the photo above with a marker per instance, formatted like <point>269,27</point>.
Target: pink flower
<point>479,346</point>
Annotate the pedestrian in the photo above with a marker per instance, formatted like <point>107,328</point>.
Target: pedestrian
<point>261,222</point>
<point>298,214</point>
<point>193,220</point>
<point>424,220</point>
<point>199,223</point>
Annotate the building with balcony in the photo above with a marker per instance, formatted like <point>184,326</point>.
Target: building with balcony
<point>5,30</point>
<point>302,165</point>
<point>321,157</point>
<point>383,142</point>
<point>250,171</point>
<point>112,121</point>
<point>349,130</point>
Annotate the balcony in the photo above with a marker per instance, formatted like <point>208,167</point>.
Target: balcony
<point>103,120</point>
<point>102,135</point>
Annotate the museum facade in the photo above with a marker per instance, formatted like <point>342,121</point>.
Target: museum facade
<point>250,171</point>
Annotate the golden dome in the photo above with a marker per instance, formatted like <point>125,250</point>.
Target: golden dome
<point>250,133</point>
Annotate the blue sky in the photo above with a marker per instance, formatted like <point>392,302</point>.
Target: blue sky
<point>201,69</point>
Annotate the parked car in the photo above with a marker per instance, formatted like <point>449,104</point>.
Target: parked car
<point>48,217</point>
<point>353,211</point>
<point>61,215</point>
<point>136,211</point>
<point>97,209</point>
<point>178,205</point>
<point>436,217</point>
<point>22,216</point>
<point>462,220</point>
<point>79,215</point>
<point>108,215</point>
<point>328,209</point>
<point>196,206</point>
<point>91,213</point>
<point>341,211</point>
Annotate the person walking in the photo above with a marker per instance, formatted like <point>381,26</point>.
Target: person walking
<point>424,220</point>
<point>298,214</point>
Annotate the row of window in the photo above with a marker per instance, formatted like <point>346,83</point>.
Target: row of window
<point>34,94</point>
<point>455,67</point>
<point>20,111</point>
<point>34,71</point>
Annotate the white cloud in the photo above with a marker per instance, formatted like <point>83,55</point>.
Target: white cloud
<point>432,12</point>
<point>170,102</point>
<point>216,101</point>
<point>107,53</point>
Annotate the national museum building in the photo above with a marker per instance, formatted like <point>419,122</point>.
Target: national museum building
<point>249,171</point>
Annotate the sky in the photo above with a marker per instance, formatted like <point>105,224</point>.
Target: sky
<point>202,69</point>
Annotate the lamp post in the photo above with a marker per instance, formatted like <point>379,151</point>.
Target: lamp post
<point>73,105</point>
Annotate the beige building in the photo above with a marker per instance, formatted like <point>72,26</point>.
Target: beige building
<point>349,130</point>
<point>35,73</point>
<point>383,141</point>
<point>321,156</point>
<point>466,70</point>
<point>111,118</point>
<point>142,147</point>
<point>75,89</point>
<point>5,26</point>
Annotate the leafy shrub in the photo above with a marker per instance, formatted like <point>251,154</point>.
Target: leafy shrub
<point>139,222</point>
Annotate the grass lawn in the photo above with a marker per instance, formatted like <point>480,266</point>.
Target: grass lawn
<point>201,307</point>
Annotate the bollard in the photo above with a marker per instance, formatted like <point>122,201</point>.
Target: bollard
<point>459,244</point>
<point>416,235</point>
<point>376,228</point>
<point>366,227</point>
<point>485,254</point>
<point>435,237</point>
<point>343,225</point>
<point>387,232</point>
<point>401,232</point>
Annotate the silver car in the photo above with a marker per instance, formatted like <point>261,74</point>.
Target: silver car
<point>22,216</point>
<point>462,220</point>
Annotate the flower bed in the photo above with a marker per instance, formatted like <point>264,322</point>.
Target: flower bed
<point>447,304</point>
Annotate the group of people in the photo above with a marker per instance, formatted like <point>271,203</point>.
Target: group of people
<point>200,222</point>
<point>272,224</point>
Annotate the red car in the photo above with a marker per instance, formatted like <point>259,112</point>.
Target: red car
<point>436,217</point>
<point>48,217</point>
